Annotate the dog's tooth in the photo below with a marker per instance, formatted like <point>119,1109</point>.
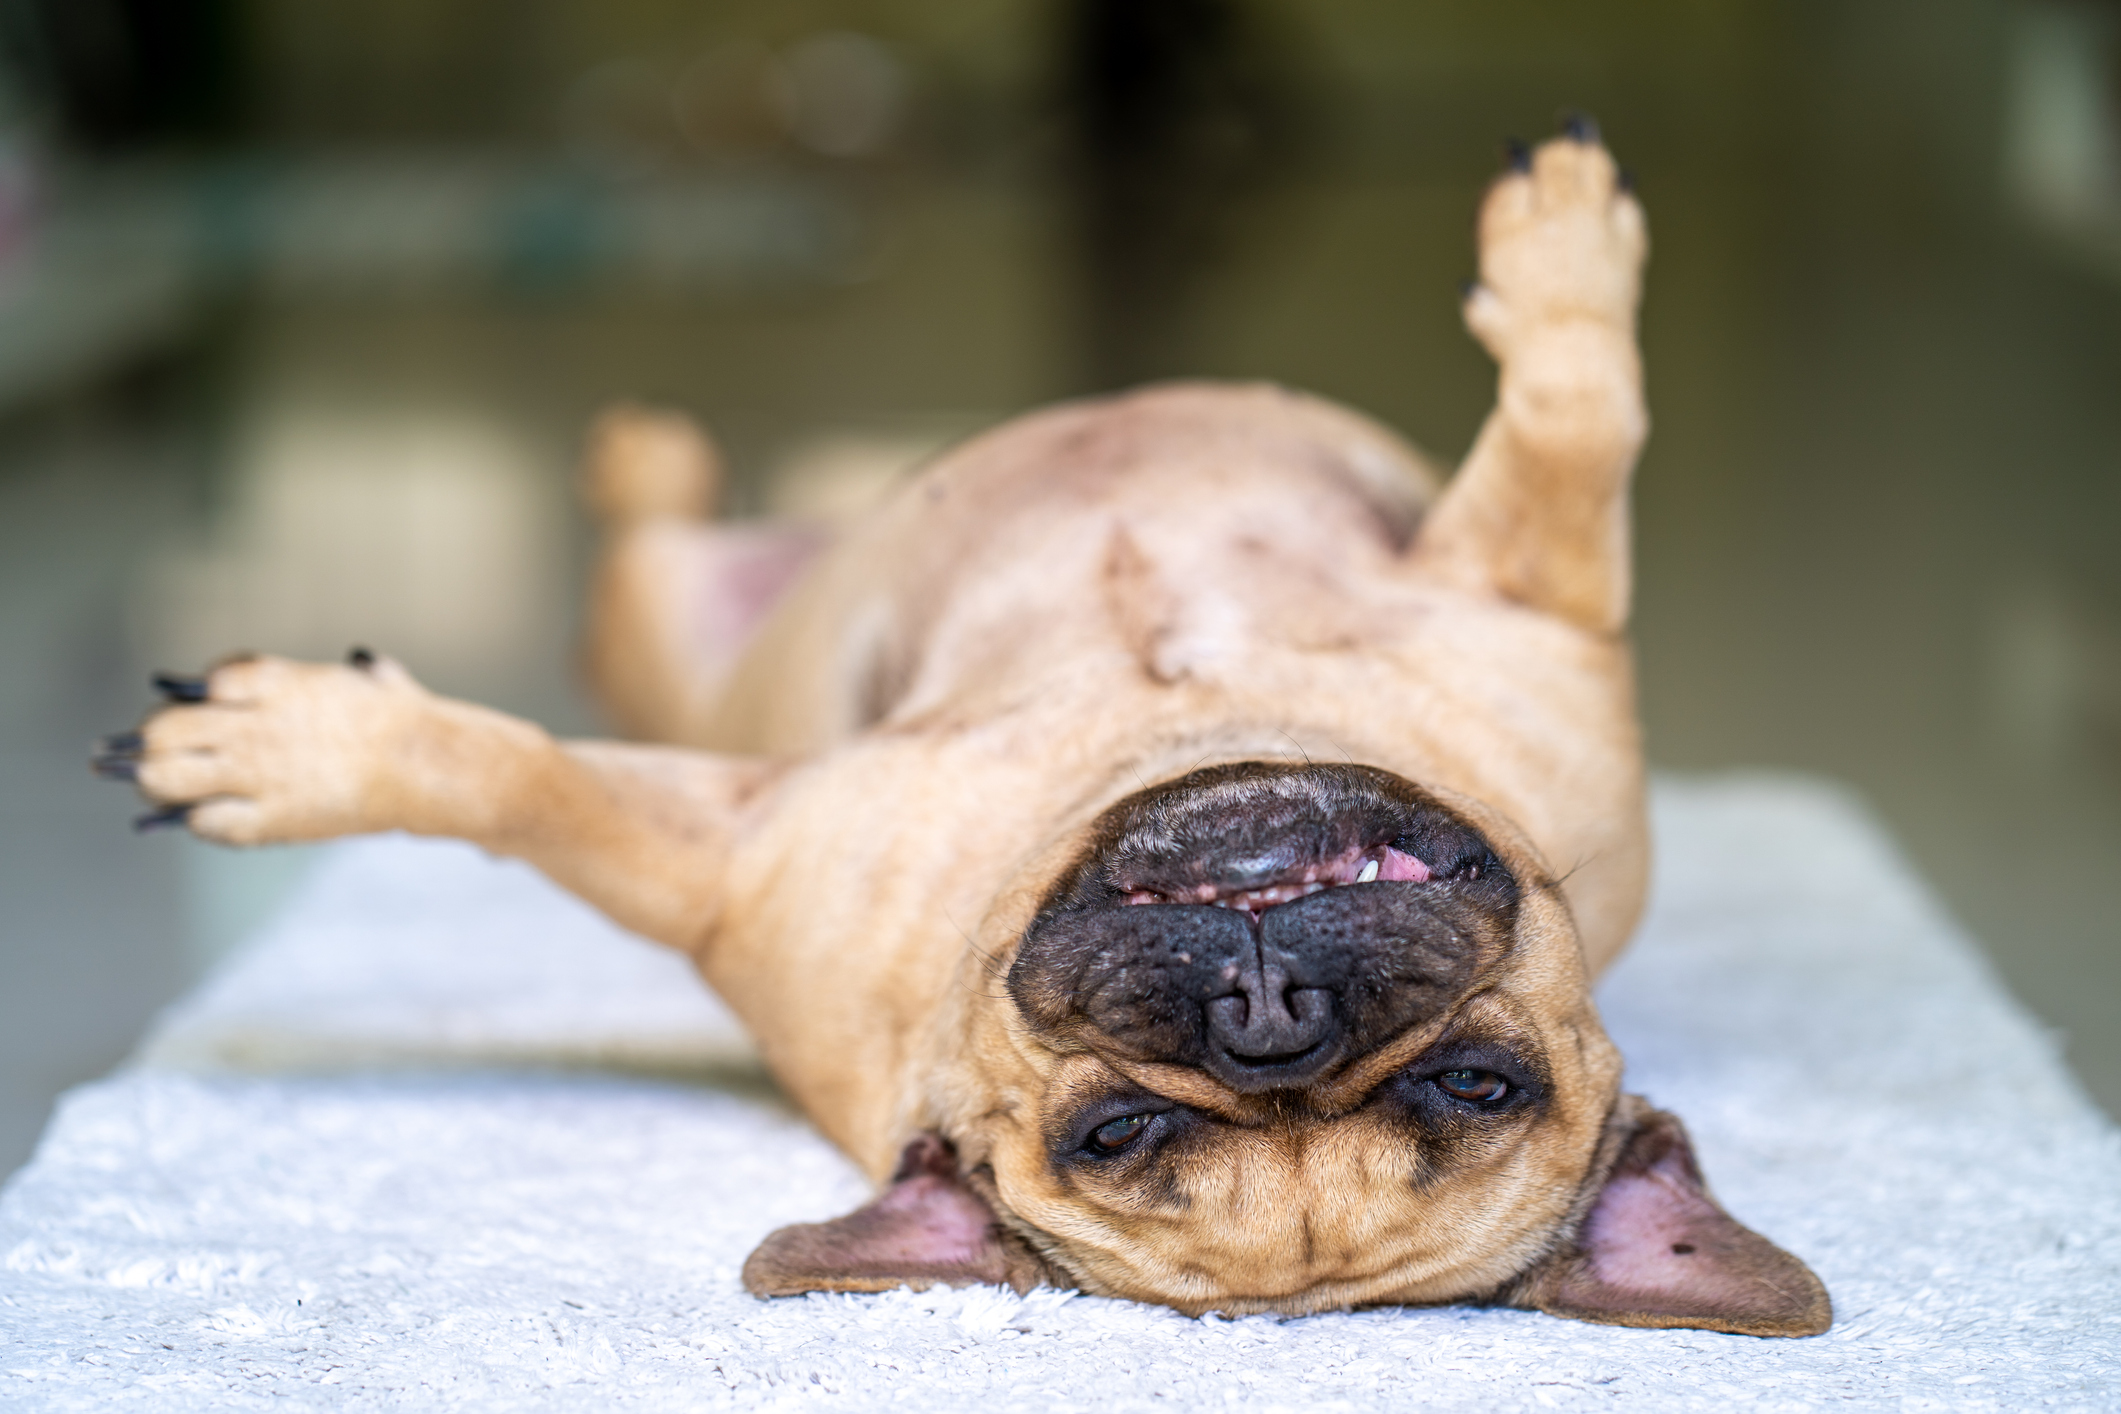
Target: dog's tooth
<point>1369,872</point>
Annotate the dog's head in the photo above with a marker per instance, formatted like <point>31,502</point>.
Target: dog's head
<point>1298,1038</point>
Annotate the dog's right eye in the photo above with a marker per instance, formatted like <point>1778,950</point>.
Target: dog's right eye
<point>1122,1126</point>
<point>1479,1086</point>
<point>1116,1134</point>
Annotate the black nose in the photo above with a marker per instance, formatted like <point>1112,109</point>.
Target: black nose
<point>1272,1033</point>
<point>1254,1005</point>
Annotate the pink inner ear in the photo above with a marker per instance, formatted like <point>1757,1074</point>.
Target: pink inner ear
<point>927,1227</point>
<point>1656,1250</point>
<point>1650,1230</point>
<point>924,1222</point>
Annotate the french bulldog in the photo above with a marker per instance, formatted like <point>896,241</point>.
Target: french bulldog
<point>1168,843</point>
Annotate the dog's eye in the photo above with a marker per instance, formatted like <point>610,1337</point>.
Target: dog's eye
<point>1116,1134</point>
<point>1479,1086</point>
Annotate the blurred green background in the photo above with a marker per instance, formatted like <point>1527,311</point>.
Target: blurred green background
<point>304,303</point>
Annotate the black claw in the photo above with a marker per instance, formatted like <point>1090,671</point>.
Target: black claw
<point>163,818</point>
<point>117,757</point>
<point>1520,156</point>
<point>1579,127</point>
<point>180,689</point>
<point>361,658</point>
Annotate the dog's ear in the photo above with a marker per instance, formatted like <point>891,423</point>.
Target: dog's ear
<point>1654,1249</point>
<point>931,1227</point>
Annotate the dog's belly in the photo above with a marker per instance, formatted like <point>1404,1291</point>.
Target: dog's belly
<point>1180,523</point>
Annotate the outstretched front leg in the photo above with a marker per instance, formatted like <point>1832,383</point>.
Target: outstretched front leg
<point>265,750</point>
<point>1538,512</point>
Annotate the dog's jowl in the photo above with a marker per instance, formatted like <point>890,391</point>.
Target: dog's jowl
<point>1169,843</point>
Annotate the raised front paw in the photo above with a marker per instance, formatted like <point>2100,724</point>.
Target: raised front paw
<point>1562,242</point>
<point>266,750</point>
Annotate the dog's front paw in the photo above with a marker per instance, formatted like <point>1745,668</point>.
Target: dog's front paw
<point>265,750</point>
<point>1562,242</point>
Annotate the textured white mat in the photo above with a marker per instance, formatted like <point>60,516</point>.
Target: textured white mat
<point>403,1213</point>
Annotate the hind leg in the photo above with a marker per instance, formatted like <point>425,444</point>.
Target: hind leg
<point>676,597</point>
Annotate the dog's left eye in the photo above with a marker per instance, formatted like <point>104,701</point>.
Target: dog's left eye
<point>1116,1134</point>
<point>1479,1086</point>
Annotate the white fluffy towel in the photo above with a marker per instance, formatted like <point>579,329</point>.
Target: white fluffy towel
<point>441,1138</point>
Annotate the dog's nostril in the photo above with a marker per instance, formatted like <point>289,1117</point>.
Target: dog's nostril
<point>1272,1027</point>
<point>1229,1015</point>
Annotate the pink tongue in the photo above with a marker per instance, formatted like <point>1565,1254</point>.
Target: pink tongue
<point>1402,866</point>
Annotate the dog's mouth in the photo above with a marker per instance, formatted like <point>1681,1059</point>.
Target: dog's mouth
<point>1270,881</point>
<point>1251,837</point>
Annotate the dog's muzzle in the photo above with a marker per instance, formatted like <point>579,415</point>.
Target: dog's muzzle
<point>1265,923</point>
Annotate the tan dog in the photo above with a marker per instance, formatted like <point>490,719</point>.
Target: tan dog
<point>1168,842</point>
